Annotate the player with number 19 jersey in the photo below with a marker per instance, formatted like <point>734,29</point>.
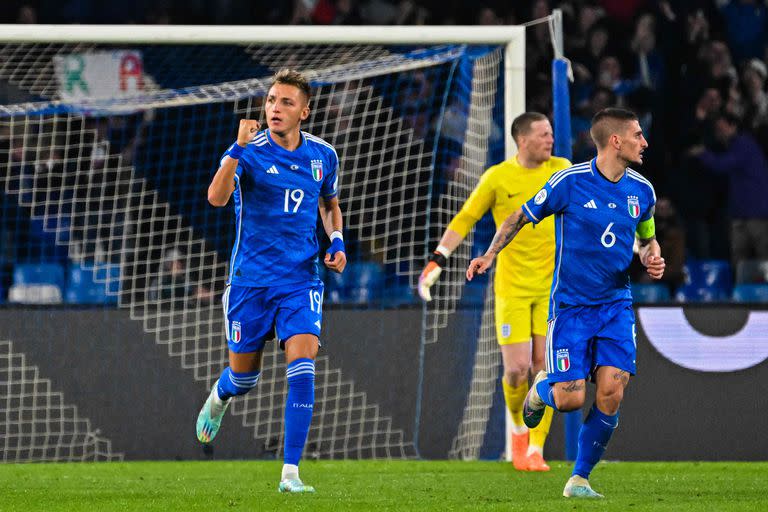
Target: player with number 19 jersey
<point>276,196</point>
<point>273,285</point>
<point>595,224</point>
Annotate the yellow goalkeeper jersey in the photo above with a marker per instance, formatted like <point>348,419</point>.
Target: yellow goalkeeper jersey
<point>524,267</point>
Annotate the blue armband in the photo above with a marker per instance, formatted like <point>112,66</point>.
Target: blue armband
<point>337,243</point>
<point>236,151</point>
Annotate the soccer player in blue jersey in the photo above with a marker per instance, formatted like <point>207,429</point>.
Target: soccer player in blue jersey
<point>280,178</point>
<point>599,207</point>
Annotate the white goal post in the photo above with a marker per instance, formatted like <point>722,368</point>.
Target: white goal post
<point>512,36</point>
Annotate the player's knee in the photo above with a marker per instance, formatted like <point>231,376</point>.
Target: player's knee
<point>233,384</point>
<point>516,374</point>
<point>609,400</point>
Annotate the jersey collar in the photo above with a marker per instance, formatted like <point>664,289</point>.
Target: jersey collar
<point>280,148</point>
<point>597,172</point>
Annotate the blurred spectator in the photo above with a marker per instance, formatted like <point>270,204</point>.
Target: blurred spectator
<point>745,22</point>
<point>671,236</point>
<point>27,14</point>
<point>487,16</point>
<point>174,285</point>
<point>755,99</point>
<point>650,65</point>
<point>378,12</point>
<point>583,145</point>
<point>746,166</point>
<point>347,13</point>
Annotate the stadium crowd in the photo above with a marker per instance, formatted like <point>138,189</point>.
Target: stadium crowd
<point>694,70</point>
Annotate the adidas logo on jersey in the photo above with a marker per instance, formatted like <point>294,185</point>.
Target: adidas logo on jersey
<point>273,170</point>
<point>590,204</point>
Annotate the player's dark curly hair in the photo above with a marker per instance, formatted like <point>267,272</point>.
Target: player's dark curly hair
<point>292,77</point>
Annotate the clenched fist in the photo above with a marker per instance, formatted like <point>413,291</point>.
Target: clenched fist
<point>247,130</point>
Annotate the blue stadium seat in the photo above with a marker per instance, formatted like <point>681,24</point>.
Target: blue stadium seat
<point>650,293</point>
<point>708,273</point>
<point>38,273</point>
<point>361,283</point>
<point>398,294</point>
<point>92,285</point>
<point>689,293</point>
<point>706,281</point>
<point>365,282</point>
<point>751,293</point>
<point>474,293</point>
<point>752,272</point>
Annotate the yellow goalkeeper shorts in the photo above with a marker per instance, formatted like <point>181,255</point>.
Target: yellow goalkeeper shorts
<point>517,318</point>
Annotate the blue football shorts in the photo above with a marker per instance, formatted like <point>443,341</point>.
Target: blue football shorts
<point>254,315</point>
<point>581,338</point>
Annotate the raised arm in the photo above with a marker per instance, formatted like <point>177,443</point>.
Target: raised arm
<point>223,183</point>
<point>506,232</point>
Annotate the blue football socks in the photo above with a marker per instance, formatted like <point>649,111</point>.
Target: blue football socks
<point>234,384</point>
<point>298,407</point>
<point>593,438</point>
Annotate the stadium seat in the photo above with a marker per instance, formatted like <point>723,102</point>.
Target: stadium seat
<point>34,294</point>
<point>751,293</point>
<point>360,283</point>
<point>398,294</point>
<point>650,293</point>
<point>365,281</point>
<point>92,285</point>
<point>706,281</point>
<point>474,293</point>
<point>711,273</point>
<point>752,271</point>
<point>38,273</point>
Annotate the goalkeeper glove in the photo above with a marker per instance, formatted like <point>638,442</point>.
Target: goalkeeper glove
<point>431,272</point>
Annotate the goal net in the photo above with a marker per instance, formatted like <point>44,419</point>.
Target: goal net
<point>106,151</point>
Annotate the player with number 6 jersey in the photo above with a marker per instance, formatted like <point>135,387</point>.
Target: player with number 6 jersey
<point>279,179</point>
<point>600,207</point>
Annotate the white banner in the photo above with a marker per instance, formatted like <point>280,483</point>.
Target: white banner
<point>109,74</point>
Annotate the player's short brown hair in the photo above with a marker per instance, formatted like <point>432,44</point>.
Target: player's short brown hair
<point>292,77</point>
<point>607,122</point>
<point>522,123</point>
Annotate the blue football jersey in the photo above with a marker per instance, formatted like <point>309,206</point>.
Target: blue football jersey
<point>595,223</point>
<point>276,197</point>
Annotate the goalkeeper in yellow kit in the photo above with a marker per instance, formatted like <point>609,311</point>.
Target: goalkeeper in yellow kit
<point>523,276</point>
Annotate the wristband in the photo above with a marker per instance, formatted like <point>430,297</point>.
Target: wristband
<point>236,151</point>
<point>438,258</point>
<point>337,243</point>
<point>443,250</point>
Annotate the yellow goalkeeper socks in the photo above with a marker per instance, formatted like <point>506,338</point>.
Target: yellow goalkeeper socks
<point>538,435</point>
<point>514,397</point>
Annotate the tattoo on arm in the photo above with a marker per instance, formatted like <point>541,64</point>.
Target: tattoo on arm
<point>507,231</point>
<point>645,241</point>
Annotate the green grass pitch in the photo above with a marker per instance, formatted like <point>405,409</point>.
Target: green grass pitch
<point>378,486</point>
